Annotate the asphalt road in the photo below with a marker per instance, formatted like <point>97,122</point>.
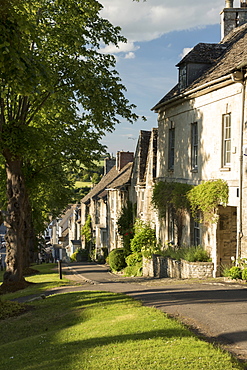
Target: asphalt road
<point>212,308</point>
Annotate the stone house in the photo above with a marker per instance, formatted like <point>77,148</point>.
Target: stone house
<point>144,175</point>
<point>202,135</point>
<point>105,202</point>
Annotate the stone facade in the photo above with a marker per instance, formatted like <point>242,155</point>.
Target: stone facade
<point>202,136</point>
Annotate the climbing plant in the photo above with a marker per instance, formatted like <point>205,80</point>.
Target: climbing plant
<point>125,226</point>
<point>206,198</point>
<point>86,231</point>
<point>172,196</point>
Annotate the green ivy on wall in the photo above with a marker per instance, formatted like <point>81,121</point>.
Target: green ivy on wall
<point>178,197</point>
<point>206,198</point>
<point>86,230</point>
<point>172,194</point>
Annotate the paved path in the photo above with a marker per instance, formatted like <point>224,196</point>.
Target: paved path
<point>212,308</point>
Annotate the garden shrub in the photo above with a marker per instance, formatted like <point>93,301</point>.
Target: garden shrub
<point>190,254</point>
<point>196,254</point>
<point>133,258</point>
<point>79,255</point>
<point>244,274</point>
<point>135,270</point>
<point>144,240</point>
<point>117,259</point>
<point>235,272</point>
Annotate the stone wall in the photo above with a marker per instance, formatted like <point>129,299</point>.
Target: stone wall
<point>162,267</point>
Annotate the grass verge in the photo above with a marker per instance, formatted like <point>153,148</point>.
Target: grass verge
<point>47,278</point>
<point>100,330</point>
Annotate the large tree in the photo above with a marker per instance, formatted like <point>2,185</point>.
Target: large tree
<point>58,95</point>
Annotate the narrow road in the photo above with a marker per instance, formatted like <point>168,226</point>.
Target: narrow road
<point>214,309</point>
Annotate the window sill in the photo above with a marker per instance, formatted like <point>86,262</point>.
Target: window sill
<point>225,169</point>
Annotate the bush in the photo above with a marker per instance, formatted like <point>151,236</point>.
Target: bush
<point>196,254</point>
<point>235,272</point>
<point>144,240</point>
<point>133,258</point>
<point>244,274</point>
<point>190,254</point>
<point>135,270</point>
<point>79,255</point>
<point>117,259</point>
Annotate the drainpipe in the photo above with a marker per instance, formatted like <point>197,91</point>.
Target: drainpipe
<point>239,77</point>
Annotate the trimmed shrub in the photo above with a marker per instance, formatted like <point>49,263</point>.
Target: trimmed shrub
<point>244,274</point>
<point>117,259</point>
<point>235,272</point>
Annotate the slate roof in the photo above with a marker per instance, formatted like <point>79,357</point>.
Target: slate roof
<point>113,179</point>
<point>230,54</point>
<point>143,145</point>
<point>203,53</point>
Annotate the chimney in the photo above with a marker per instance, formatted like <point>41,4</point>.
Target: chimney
<point>109,163</point>
<point>229,3</point>
<point>232,18</point>
<point>123,158</point>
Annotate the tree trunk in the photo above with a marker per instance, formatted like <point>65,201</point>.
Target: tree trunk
<point>16,222</point>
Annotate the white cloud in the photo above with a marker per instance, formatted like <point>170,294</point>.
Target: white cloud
<point>146,21</point>
<point>122,48</point>
<point>185,52</point>
<point>130,55</point>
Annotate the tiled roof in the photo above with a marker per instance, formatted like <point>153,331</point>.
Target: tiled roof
<point>232,54</point>
<point>113,179</point>
<point>203,53</point>
<point>123,177</point>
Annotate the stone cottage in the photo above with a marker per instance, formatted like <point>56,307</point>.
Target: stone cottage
<point>106,200</point>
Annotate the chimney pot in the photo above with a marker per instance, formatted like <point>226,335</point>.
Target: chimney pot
<point>229,3</point>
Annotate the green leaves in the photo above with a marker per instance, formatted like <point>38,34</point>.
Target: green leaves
<point>59,94</point>
<point>206,198</point>
<point>170,194</point>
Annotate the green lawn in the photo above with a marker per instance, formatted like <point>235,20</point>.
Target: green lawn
<point>99,330</point>
<point>48,278</point>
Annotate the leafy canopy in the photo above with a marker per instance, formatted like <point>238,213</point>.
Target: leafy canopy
<point>59,93</point>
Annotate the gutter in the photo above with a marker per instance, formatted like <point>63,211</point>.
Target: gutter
<point>240,224</point>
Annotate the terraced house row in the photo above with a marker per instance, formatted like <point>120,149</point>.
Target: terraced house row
<point>201,136</point>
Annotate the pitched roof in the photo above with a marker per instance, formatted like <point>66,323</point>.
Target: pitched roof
<point>123,177</point>
<point>113,179</point>
<point>232,55</point>
<point>203,53</point>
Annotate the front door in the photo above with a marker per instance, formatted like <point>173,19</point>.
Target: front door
<point>226,237</point>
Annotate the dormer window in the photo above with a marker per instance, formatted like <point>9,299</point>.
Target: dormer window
<point>183,76</point>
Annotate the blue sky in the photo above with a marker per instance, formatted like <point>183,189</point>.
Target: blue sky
<point>159,33</point>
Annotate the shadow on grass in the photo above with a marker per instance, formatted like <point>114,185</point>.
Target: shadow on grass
<point>43,338</point>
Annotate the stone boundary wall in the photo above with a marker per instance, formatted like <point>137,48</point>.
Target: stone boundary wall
<point>163,267</point>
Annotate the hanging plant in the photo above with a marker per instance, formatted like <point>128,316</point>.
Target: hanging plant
<point>206,198</point>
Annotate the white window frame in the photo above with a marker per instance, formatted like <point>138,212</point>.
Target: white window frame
<point>226,140</point>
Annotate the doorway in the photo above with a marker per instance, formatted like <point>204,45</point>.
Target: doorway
<point>226,237</point>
